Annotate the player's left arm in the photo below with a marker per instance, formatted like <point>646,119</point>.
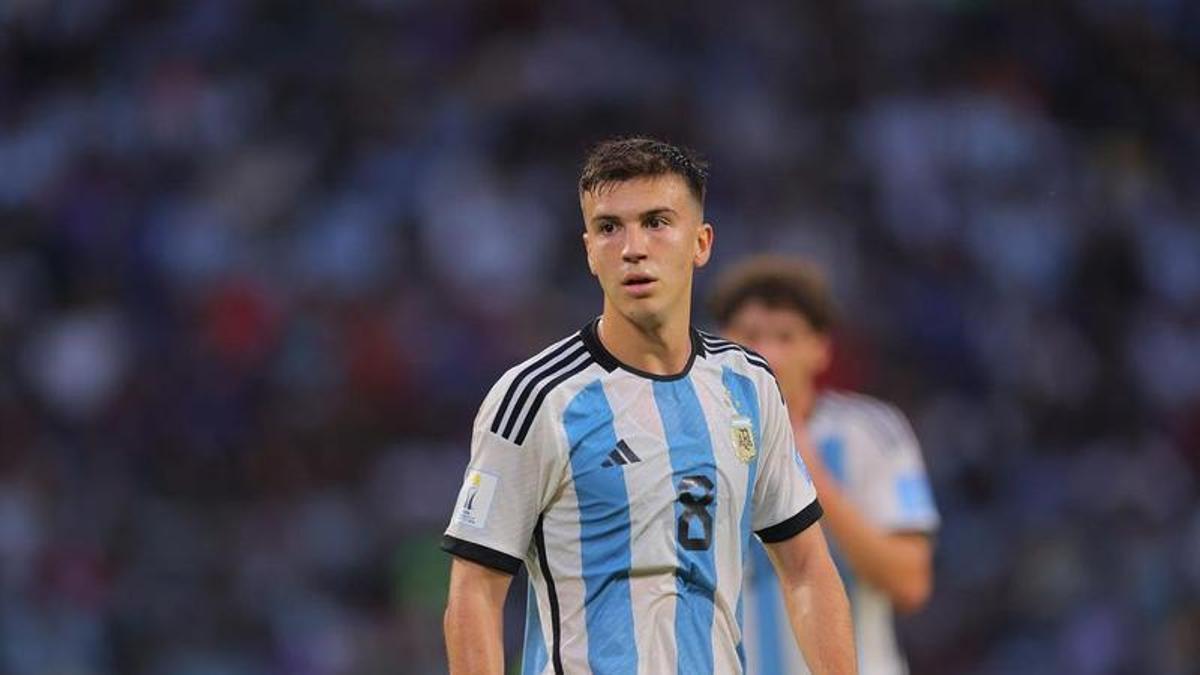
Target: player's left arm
<point>891,549</point>
<point>816,601</point>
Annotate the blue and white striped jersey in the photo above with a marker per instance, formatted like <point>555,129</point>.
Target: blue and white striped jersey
<point>871,452</point>
<point>631,499</point>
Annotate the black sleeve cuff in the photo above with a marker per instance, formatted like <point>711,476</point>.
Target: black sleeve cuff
<point>792,526</point>
<point>480,554</point>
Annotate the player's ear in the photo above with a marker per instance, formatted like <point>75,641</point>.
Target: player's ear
<point>704,242</point>
<point>587,247</point>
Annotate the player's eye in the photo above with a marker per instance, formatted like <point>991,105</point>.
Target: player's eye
<point>655,222</point>
<point>606,227</point>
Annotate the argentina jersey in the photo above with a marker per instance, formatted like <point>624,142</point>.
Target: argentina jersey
<point>870,451</point>
<point>631,499</point>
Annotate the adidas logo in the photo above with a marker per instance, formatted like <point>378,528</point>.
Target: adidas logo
<point>621,455</point>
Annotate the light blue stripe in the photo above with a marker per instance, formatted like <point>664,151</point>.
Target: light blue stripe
<point>916,501</point>
<point>603,533</point>
<point>833,454</point>
<point>535,656</point>
<point>696,574</point>
<point>768,613</point>
<point>745,399</point>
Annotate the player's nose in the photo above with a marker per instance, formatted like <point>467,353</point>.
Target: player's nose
<point>635,245</point>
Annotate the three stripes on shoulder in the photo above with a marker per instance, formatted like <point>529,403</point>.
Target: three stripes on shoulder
<point>530,387</point>
<point>716,345</point>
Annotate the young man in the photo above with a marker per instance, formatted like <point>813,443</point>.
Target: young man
<point>868,470</point>
<point>628,464</point>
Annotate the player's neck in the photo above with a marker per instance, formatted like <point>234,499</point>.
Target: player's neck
<point>659,349</point>
<point>801,396</point>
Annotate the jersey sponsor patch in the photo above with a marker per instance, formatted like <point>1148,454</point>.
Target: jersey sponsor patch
<point>475,498</point>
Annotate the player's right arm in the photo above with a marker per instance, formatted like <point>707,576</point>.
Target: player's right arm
<point>474,618</point>
<point>507,486</point>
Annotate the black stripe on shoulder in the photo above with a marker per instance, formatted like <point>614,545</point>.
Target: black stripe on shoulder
<point>753,357</point>
<point>516,383</point>
<point>550,373</point>
<point>714,341</point>
<point>541,376</point>
<point>483,555</point>
<point>759,361</point>
<point>792,526</point>
<point>537,402</point>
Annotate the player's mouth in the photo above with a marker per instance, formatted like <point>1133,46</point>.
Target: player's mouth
<point>638,285</point>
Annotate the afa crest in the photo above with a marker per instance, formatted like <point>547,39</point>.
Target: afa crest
<point>742,433</point>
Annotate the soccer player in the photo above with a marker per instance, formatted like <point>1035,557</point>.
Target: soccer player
<point>628,464</point>
<point>867,469</point>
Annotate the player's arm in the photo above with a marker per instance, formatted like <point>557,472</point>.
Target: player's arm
<point>505,489</point>
<point>889,545</point>
<point>816,602</point>
<point>474,618</point>
<point>899,564</point>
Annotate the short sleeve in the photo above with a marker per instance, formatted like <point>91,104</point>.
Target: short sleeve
<point>505,489</point>
<point>784,500</point>
<point>899,497</point>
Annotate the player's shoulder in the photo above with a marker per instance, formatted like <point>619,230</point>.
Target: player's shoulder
<point>882,421</point>
<point>727,352</point>
<point>515,400</point>
<point>721,353</point>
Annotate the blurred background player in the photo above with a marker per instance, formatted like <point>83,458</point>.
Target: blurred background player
<point>628,464</point>
<point>866,465</point>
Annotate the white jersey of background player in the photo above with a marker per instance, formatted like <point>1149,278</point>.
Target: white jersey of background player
<point>864,459</point>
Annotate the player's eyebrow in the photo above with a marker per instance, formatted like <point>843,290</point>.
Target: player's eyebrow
<point>658,210</point>
<point>662,210</point>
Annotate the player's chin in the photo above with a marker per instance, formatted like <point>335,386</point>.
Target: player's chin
<point>641,311</point>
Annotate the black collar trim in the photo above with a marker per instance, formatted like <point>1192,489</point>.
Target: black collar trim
<point>591,339</point>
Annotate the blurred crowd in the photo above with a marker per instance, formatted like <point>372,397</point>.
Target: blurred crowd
<point>260,261</point>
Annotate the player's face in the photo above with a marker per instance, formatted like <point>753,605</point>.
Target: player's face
<point>644,237</point>
<point>796,352</point>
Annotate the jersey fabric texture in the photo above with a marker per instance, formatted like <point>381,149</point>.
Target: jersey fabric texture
<point>869,449</point>
<point>631,499</point>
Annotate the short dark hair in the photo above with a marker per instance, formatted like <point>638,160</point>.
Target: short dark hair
<point>779,282</point>
<point>622,159</point>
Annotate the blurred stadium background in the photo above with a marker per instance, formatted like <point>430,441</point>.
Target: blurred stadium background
<point>259,262</point>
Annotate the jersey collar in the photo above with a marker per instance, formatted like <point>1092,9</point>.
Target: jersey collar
<point>591,340</point>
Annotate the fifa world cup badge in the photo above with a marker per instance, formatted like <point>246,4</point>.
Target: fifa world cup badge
<point>743,439</point>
